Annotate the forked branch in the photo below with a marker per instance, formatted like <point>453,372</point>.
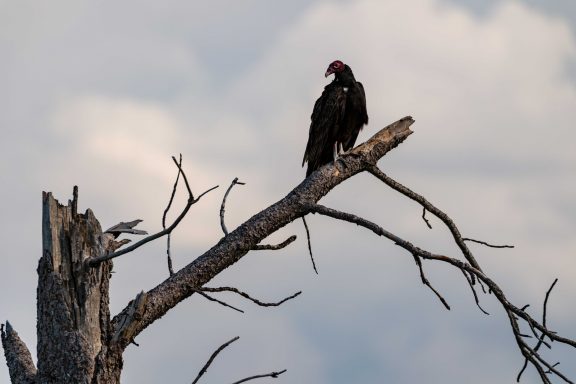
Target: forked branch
<point>191,201</point>
<point>430,208</point>
<point>248,235</point>
<point>246,296</point>
<point>273,375</point>
<point>202,291</point>
<point>471,271</point>
<point>220,349</point>
<point>166,210</point>
<point>304,200</point>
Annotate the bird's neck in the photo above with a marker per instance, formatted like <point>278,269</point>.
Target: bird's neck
<point>346,77</point>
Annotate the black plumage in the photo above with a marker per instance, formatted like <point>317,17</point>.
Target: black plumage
<point>338,116</point>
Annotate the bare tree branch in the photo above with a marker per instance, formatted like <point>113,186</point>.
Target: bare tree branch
<point>424,218</point>
<point>125,331</point>
<point>285,243</point>
<point>245,295</point>
<point>212,357</point>
<point>191,201</point>
<point>149,306</point>
<point>223,206</point>
<point>309,244</point>
<point>427,283</point>
<point>486,244</point>
<point>513,312</point>
<point>303,200</point>
<point>430,208</point>
<point>271,374</point>
<point>168,257</point>
<point>471,284</point>
<point>541,338</point>
<point>223,303</point>
<point>243,239</point>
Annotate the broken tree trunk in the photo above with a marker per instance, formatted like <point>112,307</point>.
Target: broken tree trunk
<point>73,314</point>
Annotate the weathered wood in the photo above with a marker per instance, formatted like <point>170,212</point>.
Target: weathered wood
<point>73,314</point>
<point>77,342</point>
<point>237,243</point>
<point>18,357</point>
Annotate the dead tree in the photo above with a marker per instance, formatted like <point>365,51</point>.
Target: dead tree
<point>79,342</point>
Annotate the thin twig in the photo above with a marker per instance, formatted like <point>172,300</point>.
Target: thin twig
<point>486,244</point>
<point>545,306</point>
<point>186,181</point>
<point>245,295</point>
<point>212,357</point>
<point>223,206</point>
<point>541,338</point>
<point>200,291</point>
<point>480,283</point>
<point>191,201</point>
<point>275,247</point>
<point>514,313</point>
<point>309,244</point>
<point>427,283</point>
<point>471,284</point>
<point>179,164</point>
<point>424,217</point>
<point>553,365</point>
<point>169,258</point>
<point>271,374</point>
<point>374,170</point>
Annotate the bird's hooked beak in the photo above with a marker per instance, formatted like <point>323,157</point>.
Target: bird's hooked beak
<point>329,71</point>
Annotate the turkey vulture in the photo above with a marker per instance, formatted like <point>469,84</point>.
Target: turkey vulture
<point>337,118</point>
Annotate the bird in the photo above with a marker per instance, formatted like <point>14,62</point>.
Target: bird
<point>338,116</point>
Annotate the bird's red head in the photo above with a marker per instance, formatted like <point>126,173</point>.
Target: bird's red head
<point>334,67</point>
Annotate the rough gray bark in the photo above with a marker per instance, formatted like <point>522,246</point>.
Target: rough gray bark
<point>246,237</point>
<point>22,369</point>
<point>72,299</point>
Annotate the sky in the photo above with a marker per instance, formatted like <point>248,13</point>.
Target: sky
<point>101,94</point>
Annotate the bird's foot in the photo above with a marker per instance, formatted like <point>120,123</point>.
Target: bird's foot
<point>349,153</point>
<point>335,152</point>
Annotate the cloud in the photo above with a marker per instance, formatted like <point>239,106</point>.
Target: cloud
<point>493,148</point>
<point>126,133</point>
<point>494,111</point>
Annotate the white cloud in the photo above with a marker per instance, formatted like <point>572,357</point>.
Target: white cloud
<point>127,134</point>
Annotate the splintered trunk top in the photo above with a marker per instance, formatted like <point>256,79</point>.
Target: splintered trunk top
<point>73,314</point>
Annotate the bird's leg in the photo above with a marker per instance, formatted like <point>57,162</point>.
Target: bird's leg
<point>335,152</point>
<point>348,152</point>
<point>337,155</point>
<point>337,160</point>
